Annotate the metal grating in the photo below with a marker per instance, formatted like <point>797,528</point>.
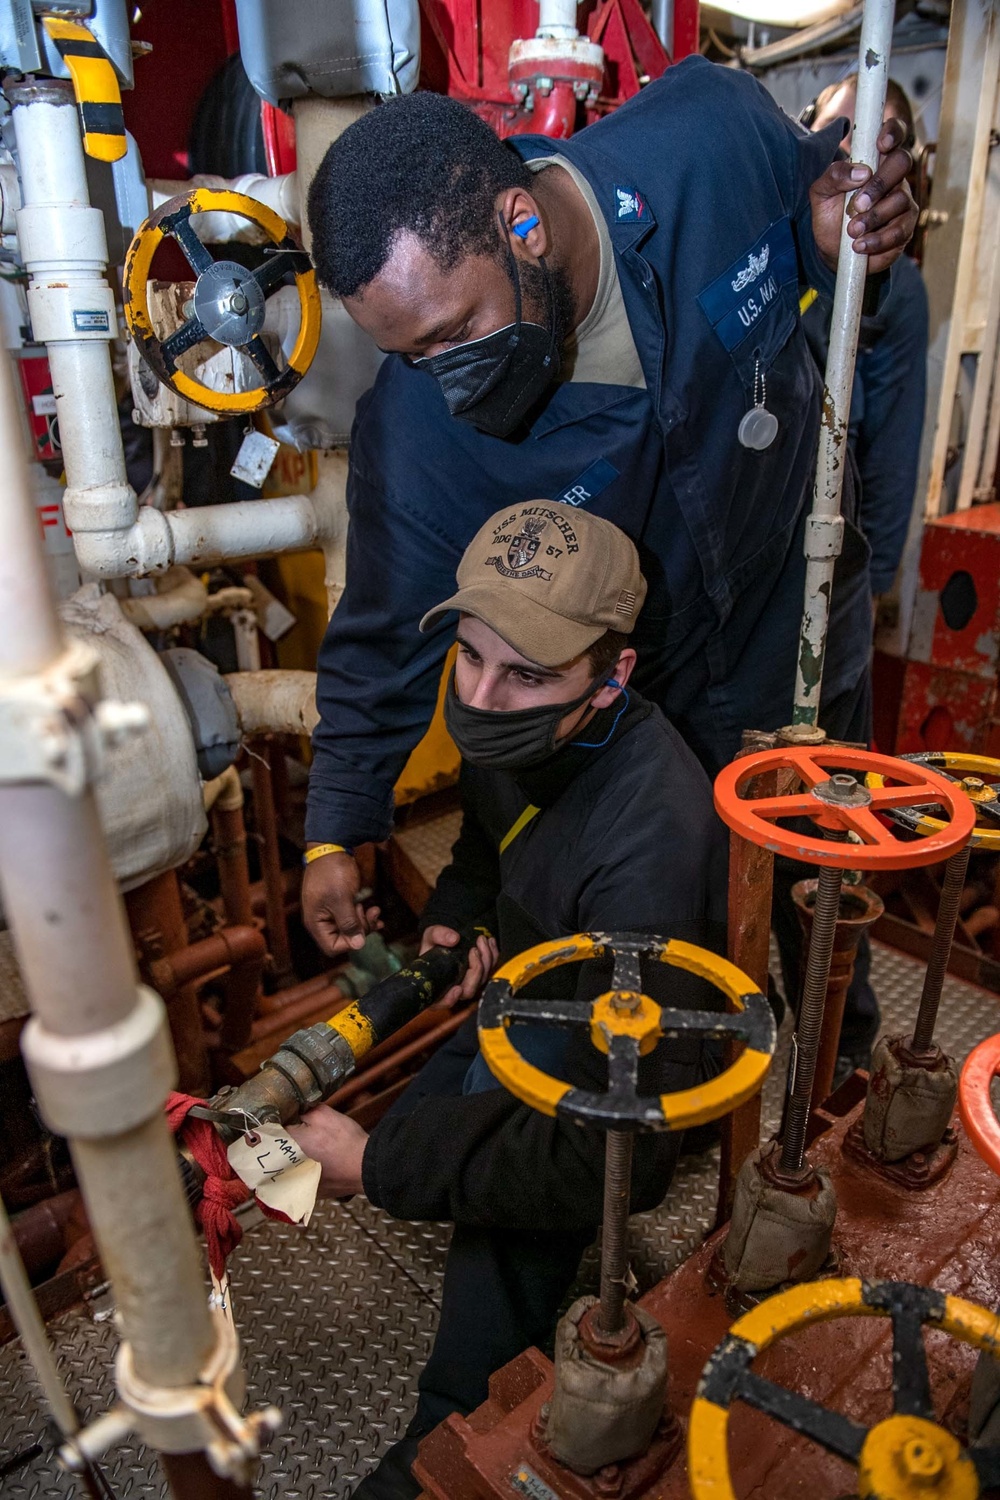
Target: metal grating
<point>337,1320</point>
<point>428,844</point>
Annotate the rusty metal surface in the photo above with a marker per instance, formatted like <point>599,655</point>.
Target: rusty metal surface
<point>945,1236</point>
<point>337,1321</point>
<point>956,620</point>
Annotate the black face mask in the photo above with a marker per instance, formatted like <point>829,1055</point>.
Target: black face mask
<point>494,381</point>
<point>510,741</point>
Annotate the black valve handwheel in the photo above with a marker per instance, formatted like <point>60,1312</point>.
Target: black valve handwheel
<point>626,1025</point>
<point>228,301</point>
<point>907,1456</point>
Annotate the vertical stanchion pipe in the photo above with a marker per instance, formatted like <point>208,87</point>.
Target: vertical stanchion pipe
<point>825,526</point>
<point>69,929</point>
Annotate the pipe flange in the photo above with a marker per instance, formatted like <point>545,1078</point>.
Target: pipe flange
<point>204,1417</point>
<point>103,1082</point>
<point>54,728</point>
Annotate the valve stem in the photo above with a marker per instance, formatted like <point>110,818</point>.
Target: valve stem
<point>614,1250</point>
<point>937,965</point>
<point>844,791</point>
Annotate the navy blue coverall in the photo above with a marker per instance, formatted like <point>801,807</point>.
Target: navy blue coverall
<point>704,184</point>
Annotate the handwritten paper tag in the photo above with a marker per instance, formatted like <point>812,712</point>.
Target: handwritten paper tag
<point>278,1171</point>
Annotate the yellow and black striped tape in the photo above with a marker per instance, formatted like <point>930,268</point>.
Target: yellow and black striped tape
<point>95,85</point>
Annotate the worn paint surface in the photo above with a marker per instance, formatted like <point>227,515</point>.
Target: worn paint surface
<point>966,543</point>
<point>944,1236</point>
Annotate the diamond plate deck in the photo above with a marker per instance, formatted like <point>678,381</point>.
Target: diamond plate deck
<point>337,1320</point>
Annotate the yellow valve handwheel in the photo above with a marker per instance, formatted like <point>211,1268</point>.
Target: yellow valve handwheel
<point>228,301</point>
<point>906,1457</point>
<point>626,1025</point>
<point>977,773</point>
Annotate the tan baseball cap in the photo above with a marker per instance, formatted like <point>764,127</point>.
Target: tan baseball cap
<point>549,579</point>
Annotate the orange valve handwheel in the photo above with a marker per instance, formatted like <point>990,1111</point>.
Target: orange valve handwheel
<point>974,1105</point>
<point>834,797</point>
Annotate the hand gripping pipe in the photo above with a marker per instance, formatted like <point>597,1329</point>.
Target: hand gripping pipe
<point>64,248</point>
<point>312,1064</point>
<point>97,1046</point>
<point>825,527</point>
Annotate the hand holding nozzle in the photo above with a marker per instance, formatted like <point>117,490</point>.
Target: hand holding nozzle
<point>312,1064</point>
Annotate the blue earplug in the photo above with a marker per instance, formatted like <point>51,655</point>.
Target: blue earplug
<point>612,683</point>
<point>525,227</point>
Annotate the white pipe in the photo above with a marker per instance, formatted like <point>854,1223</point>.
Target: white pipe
<point>224,792</point>
<point>206,534</point>
<point>64,247</point>
<point>90,1024</point>
<point>71,304</point>
<point>802,43</point>
<point>280,194</point>
<point>274,702</point>
<point>557,18</point>
<point>785,13</point>
<point>180,599</point>
<point>825,526</point>
<point>23,1308</point>
<point>10,198</point>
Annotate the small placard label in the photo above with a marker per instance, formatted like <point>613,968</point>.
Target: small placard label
<point>90,320</point>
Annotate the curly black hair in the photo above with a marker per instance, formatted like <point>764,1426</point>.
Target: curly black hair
<point>420,162</point>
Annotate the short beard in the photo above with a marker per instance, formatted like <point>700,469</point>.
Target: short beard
<point>547,299</point>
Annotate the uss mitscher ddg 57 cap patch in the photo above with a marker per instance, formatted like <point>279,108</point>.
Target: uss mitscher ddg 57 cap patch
<point>549,579</point>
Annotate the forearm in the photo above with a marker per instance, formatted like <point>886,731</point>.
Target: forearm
<point>486,1160</point>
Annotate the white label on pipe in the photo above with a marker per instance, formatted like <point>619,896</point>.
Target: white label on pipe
<point>278,1171</point>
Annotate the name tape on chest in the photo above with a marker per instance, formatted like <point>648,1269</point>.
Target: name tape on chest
<point>589,484</point>
<point>747,291</point>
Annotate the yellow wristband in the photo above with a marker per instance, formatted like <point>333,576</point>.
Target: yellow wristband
<point>322,849</point>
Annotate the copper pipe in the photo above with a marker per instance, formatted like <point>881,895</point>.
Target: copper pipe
<point>859,909</point>
<point>160,932</point>
<point>751,879</point>
<point>326,995</point>
<point>42,1232</point>
<point>229,838</point>
<point>270,857</point>
<point>240,950</point>
<point>273,1005</point>
<point>191,1477</point>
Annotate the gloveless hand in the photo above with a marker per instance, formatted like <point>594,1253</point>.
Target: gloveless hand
<point>338,1144</point>
<point>483,959</point>
<point>883,213</point>
<point>334,917</point>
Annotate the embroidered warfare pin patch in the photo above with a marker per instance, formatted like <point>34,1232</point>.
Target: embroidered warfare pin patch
<point>747,291</point>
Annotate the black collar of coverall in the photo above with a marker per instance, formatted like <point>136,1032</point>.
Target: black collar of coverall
<point>543,784</point>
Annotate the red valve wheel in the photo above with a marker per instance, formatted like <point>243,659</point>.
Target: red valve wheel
<point>841,802</point>
<point>974,1105</point>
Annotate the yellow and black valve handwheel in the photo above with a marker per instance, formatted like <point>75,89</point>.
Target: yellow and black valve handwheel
<point>228,301</point>
<point>908,1456</point>
<point>979,779</point>
<point>626,1025</point>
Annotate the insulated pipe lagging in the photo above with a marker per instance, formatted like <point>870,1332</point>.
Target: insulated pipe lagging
<point>274,702</point>
<point>825,526</point>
